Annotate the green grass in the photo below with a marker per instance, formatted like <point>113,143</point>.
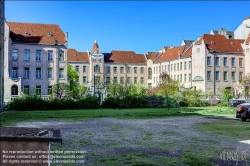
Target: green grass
<point>9,118</point>
<point>231,128</point>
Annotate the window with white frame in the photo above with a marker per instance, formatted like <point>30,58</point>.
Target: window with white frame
<point>189,78</point>
<point>84,69</point>
<point>240,75</point>
<point>135,80</point>
<point>181,66</point>
<point>240,62</point>
<point>142,80</point>
<point>217,75</point>
<point>115,80</point>
<point>225,76</point>
<point>38,55</point>
<point>135,69</point>
<point>180,77</point>
<point>233,62</point>
<point>26,72</point>
<point>177,66</point>
<point>208,75</point>
<point>149,73</point>
<point>49,72</point>
<point>174,67</point>
<point>129,70</point>
<point>185,77</point>
<point>108,80</point>
<point>225,61</point>
<point>50,55</point>
<point>149,86</point>
<point>97,69</point>
<point>84,79</point>
<point>208,61</point>
<point>14,72</point>
<point>189,65</point>
<point>77,68</point>
<point>108,69</point>
<point>14,90</point>
<point>26,55</point>
<point>61,73</point>
<point>115,69</point>
<point>233,76</point>
<point>142,70</point>
<point>14,55</point>
<point>217,61</point>
<point>122,69</point>
<point>38,73</point>
<point>122,80</point>
<point>128,80</point>
<point>185,65</point>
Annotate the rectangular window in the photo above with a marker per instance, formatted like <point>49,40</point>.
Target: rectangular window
<point>225,61</point>
<point>122,69</point>
<point>165,68</point>
<point>225,76</point>
<point>108,80</point>
<point>159,69</point>
<point>177,77</point>
<point>240,75</point>
<point>129,70</point>
<point>122,80</point>
<point>240,62</point>
<point>38,73</point>
<point>168,68</point>
<point>26,72</point>
<point>61,73</point>
<point>189,65</point>
<point>208,75</point>
<point>135,69</point>
<point>177,66</point>
<point>115,69</point>
<point>50,55</point>
<point>115,79</point>
<point>49,72</point>
<point>26,89</point>
<point>171,67</point>
<point>208,61</point>
<point>185,77</point>
<point>84,79</point>
<point>61,56</point>
<point>174,77</point>
<point>185,65</point>
<point>26,55</point>
<point>181,78</point>
<point>217,61</point>
<point>97,79</point>
<point>149,86</point>
<point>181,66</point>
<point>77,68</point>
<point>174,67</point>
<point>38,90</point>
<point>233,76</point>
<point>189,78</point>
<point>217,75</point>
<point>154,79</point>
<point>154,69</point>
<point>128,80</point>
<point>84,69</point>
<point>142,70</point>
<point>142,80</point>
<point>14,72</point>
<point>49,90</point>
<point>38,55</point>
<point>135,80</point>
<point>149,73</point>
<point>14,55</point>
<point>233,61</point>
<point>77,80</point>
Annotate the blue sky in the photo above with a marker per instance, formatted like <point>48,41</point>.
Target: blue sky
<point>140,26</point>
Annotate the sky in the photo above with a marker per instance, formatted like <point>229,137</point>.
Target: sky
<point>140,26</point>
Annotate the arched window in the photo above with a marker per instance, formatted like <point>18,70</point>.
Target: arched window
<point>14,90</point>
<point>150,73</point>
<point>97,69</point>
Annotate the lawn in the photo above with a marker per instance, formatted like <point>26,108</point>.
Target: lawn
<point>9,118</point>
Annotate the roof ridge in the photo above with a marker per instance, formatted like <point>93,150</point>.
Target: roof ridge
<point>30,23</point>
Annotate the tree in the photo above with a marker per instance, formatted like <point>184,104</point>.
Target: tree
<point>226,96</point>
<point>115,90</point>
<point>61,90</point>
<point>78,92</point>
<point>73,75</point>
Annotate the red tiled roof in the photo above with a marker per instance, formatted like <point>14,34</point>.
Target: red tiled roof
<point>95,46</point>
<point>36,33</point>
<point>220,43</point>
<point>170,54</point>
<point>187,53</point>
<point>74,56</point>
<point>125,56</point>
<point>152,55</point>
<point>248,38</point>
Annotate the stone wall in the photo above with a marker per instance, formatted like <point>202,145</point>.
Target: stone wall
<point>2,18</point>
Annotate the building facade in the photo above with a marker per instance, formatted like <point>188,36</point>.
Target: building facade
<point>35,58</point>
<point>2,19</point>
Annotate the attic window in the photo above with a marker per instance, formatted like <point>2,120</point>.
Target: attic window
<point>132,56</point>
<point>212,42</point>
<point>232,43</point>
<point>49,34</point>
<point>26,33</point>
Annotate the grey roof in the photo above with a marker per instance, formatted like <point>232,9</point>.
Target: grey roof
<point>229,33</point>
<point>188,42</point>
<point>198,78</point>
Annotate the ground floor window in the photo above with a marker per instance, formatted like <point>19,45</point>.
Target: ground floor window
<point>14,90</point>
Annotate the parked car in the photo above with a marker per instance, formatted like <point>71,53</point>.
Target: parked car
<point>243,111</point>
<point>235,103</point>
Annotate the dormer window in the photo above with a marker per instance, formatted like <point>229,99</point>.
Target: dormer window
<point>27,34</point>
<point>232,43</point>
<point>49,34</point>
<point>212,42</point>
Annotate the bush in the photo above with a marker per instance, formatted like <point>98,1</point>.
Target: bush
<point>170,103</point>
<point>154,101</point>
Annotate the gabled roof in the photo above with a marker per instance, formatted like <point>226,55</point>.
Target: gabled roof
<point>36,33</point>
<point>229,33</point>
<point>171,54</point>
<point>95,48</point>
<point>152,55</point>
<point>75,56</point>
<point>125,57</point>
<point>188,43</point>
<point>187,52</point>
<point>220,43</point>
